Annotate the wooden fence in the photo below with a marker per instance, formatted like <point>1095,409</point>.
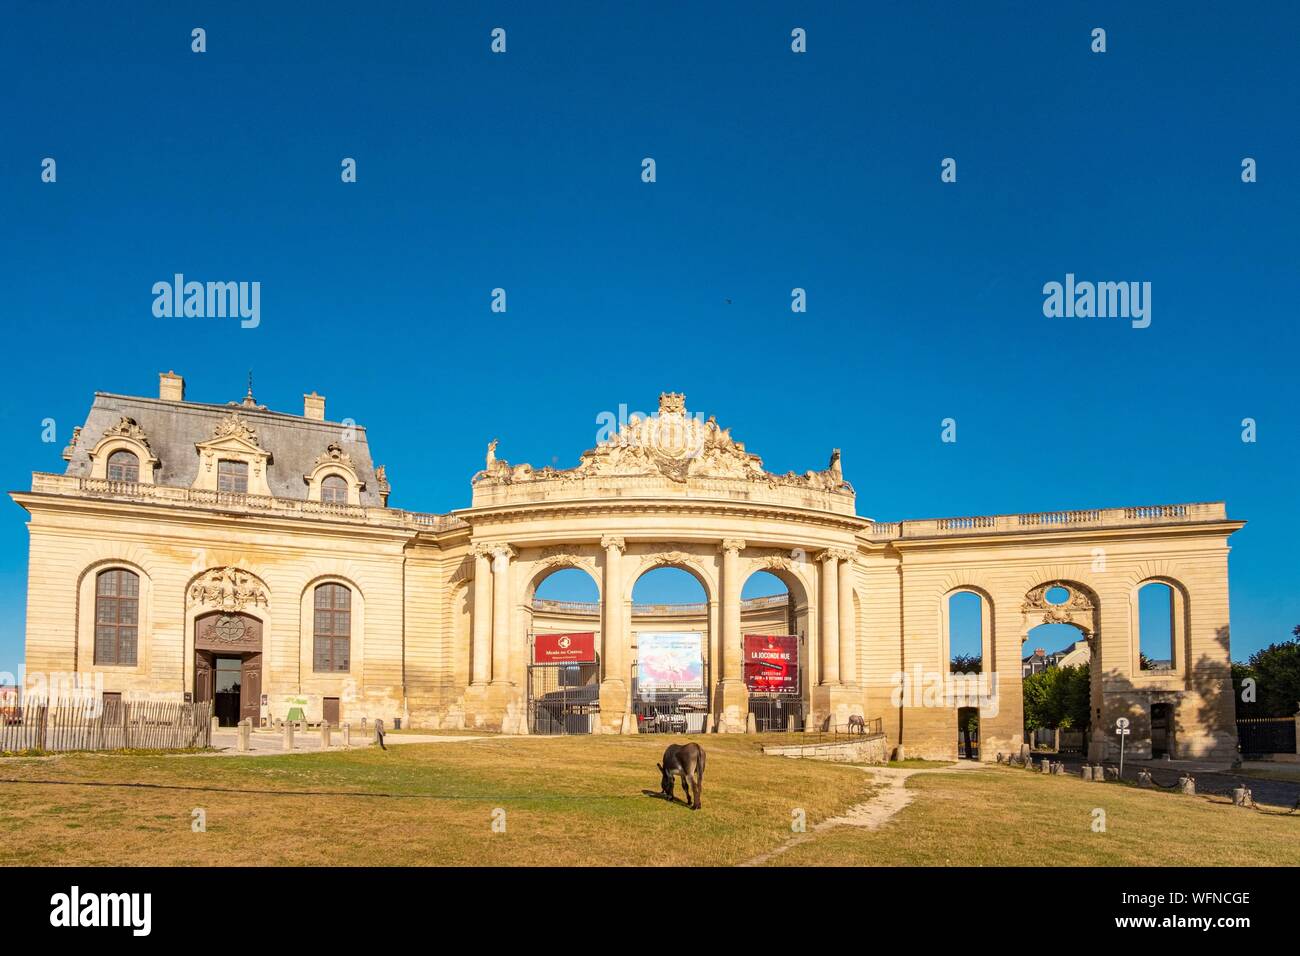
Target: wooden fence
<point>114,725</point>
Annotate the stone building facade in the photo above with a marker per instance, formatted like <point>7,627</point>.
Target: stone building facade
<point>186,542</point>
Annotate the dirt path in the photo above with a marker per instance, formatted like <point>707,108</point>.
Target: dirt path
<point>876,811</point>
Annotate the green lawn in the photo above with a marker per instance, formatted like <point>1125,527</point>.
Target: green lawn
<point>579,801</point>
<point>1010,817</point>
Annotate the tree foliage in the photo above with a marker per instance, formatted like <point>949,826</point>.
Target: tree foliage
<point>1276,672</point>
<point>1057,697</point>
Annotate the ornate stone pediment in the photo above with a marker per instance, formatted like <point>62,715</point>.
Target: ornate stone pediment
<point>129,428</point>
<point>561,558</point>
<point>229,589</point>
<point>236,427</point>
<point>665,558</point>
<point>334,455</point>
<point>673,444</point>
<point>1076,609</point>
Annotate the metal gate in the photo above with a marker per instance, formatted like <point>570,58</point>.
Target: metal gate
<point>772,712</point>
<point>670,710</point>
<point>1266,735</point>
<point>562,698</point>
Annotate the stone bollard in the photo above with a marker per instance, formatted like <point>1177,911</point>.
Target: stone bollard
<point>379,732</point>
<point>899,754</point>
<point>1085,772</point>
<point>1029,763</point>
<point>791,724</point>
<point>216,724</point>
<point>1058,769</point>
<point>245,732</point>
<point>286,742</point>
<point>1144,778</point>
<point>325,735</point>
<point>1187,785</point>
<point>751,725</point>
<point>1241,797</point>
<point>1098,773</point>
<point>347,736</point>
<point>1047,765</point>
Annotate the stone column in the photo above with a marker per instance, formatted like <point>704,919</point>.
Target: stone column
<point>611,624</point>
<point>732,639</point>
<point>501,555</point>
<point>615,684</point>
<point>731,703</point>
<point>830,618</point>
<point>481,655</point>
<point>848,623</point>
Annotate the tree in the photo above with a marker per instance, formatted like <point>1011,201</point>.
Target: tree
<point>1276,672</point>
<point>967,664</point>
<point>1057,697</point>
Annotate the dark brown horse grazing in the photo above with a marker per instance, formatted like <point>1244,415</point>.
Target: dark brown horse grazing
<point>685,761</point>
<point>857,723</point>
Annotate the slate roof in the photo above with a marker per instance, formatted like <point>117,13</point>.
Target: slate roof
<point>173,429</point>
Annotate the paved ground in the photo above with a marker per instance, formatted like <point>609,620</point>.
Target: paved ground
<point>1212,778</point>
<point>891,796</point>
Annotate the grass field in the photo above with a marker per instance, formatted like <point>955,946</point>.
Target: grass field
<point>571,801</point>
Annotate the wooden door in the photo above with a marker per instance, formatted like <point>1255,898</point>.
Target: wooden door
<point>203,663</point>
<point>250,688</point>
<point>330,711</point>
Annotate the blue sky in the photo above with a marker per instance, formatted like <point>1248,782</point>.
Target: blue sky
<point>775,171</point>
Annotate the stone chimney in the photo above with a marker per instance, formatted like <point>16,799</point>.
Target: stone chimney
<point>1040,652</point>
<point>171,387</point>
<point>313,406</point>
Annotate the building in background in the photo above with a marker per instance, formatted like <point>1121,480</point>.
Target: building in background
<point>242,555</point>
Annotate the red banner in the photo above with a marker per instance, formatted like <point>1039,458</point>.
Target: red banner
<point>771,663</point>
<point>564,648</point>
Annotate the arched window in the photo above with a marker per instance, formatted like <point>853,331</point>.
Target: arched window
<point>232,476</point>
<point>117,615</point>
<point>965,632</point>
<point>332,631</point>
<point>123,466</point>
<point>1155,627</point>
<point>334,490</point>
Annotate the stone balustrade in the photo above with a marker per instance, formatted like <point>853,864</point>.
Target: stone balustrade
<point>1048,520</point>
<point>262,505</point>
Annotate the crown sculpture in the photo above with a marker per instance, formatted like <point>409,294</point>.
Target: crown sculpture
<point>672,443</point>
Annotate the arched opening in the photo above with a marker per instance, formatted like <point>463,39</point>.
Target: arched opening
<point>965,632</point>
<point>771,611</point>
<point>1060,683</point>
<point>671,636</point>
<point>564,660</point>
<point>1156,617</point>
<point>570,585</point>
<point>228,665</point>
<point>1057,691</point>
<point>967,629</point>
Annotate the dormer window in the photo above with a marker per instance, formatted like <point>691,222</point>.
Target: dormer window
<point>123,466</point>
<point>232,476</point>
<point>334,490</point>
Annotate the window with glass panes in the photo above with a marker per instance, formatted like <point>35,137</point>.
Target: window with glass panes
<point>332,628</point>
